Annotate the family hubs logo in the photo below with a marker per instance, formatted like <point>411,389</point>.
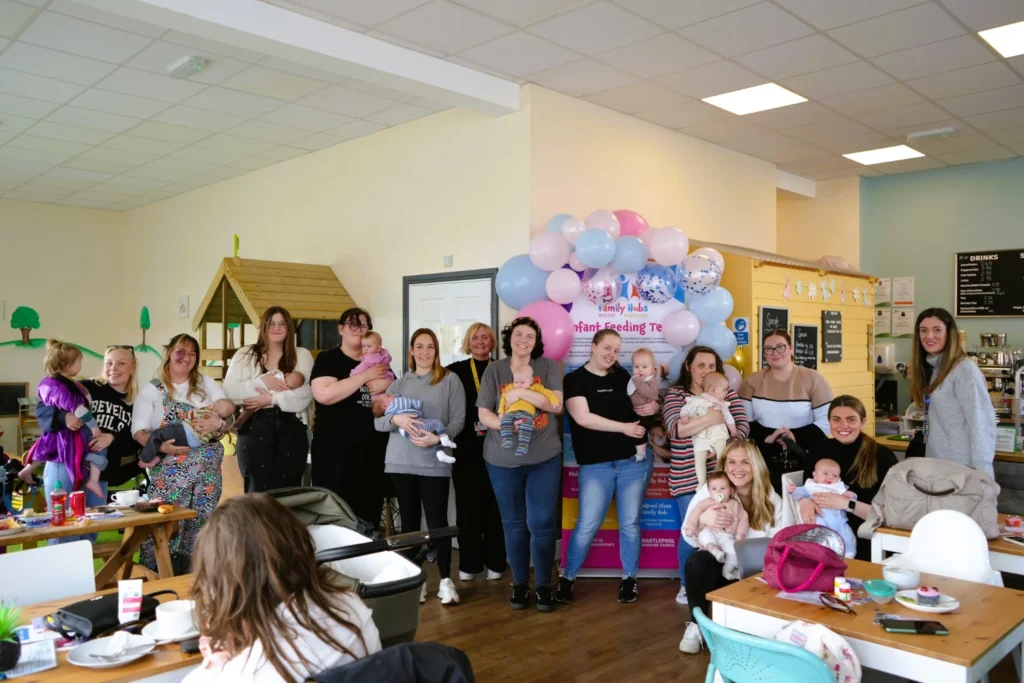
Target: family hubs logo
<point>619,308</point>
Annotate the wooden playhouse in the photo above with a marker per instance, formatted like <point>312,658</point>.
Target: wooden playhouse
<point>243,288</point>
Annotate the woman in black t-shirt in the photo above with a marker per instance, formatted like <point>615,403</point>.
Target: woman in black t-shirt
<point>347,452</point>
<point>605,430</point>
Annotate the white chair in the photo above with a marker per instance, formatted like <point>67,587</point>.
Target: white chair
<point>949,543</point>
<point>790,510</point>
<point>51,572</point>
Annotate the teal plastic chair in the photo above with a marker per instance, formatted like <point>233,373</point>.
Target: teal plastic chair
<point>742,658</point>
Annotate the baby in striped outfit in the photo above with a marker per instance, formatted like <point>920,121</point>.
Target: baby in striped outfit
<point>403,405</point>
<point>520,415</point>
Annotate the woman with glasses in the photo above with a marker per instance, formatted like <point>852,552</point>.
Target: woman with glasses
<point>272,443</point>
<point>787,404</point>
<point>347,451</point>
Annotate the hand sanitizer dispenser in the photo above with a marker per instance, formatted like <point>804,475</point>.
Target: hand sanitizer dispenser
<point>885,359</point>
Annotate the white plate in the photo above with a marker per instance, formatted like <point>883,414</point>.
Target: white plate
<point>946,603</point>
<point>152,630</point>
<point>16,529</point>
<point>79,656</point>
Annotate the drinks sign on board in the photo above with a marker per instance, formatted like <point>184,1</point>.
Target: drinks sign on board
<point>831,337</point>
<point>990,283</point>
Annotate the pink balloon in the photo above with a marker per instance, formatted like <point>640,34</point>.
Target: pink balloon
<point>575,263</point>
<point>549,251</point>
<point>563,286</point>
<point>631,223</point>
<point>572,228</point>
<point>603,220</point>
<point>680,327</point>
<point>647,236</point>
<point>555,327</point>
<point>669,246</point>
<point>734,376</point>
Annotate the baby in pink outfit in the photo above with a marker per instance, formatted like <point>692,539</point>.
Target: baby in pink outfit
<point>373,354</point>
<point>721,544</point>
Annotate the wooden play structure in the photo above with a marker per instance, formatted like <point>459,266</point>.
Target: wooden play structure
<point>243,288</point>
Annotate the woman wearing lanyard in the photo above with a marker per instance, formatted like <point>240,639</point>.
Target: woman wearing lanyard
<point>481,538</point>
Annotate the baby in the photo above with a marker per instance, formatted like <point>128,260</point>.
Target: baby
<point>373,354</point>
<point>644,388</point>
<point>403,405</point>
<point>293,380</point>
<point>521,413</point>
<point>721,544</point>
<point>711,440</point>
<point>826,480</point>
<point>184,433</point>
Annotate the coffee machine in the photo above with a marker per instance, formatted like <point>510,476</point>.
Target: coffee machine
<point>997,362</point>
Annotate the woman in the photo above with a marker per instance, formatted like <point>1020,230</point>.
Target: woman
<point>528,487</point>
<point>187,477</point>
<point>420,479</point>
<point>959,423</point>
<point>682,477</point>
<point>266,610</point>
<point>481,542</point>
<point>605,433</point>
<point>786,402</point>
<point>747,472</point>
<point>863,464</point>
<point>347,452</point>
<point>272,444</point>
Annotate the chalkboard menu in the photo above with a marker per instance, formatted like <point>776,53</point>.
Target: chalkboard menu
<point>990,283</point>
<point>805,345</point>
<point>772,319</point>
<point>831,337</point>
<point>10,392</point>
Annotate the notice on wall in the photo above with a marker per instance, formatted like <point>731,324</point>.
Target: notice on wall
<point>831,337</point>
<point>883,322</point>
<point>903,323</point>
<point>903,291</point>
<point>989,283</point>
<point>805,346</point>
<point>772,319</point>
<point>883,292</point>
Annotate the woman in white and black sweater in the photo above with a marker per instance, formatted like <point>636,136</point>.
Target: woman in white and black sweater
<point>272,443</point>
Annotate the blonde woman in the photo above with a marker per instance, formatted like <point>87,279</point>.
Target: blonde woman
<point>746,469</point>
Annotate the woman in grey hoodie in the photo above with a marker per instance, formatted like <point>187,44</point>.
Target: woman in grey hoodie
<point>419,477</point>
<point>960,423</point>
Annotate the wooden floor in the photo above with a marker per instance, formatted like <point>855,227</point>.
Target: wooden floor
<point>594,639</point>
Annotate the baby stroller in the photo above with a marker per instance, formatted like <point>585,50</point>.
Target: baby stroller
<point>387,582</point>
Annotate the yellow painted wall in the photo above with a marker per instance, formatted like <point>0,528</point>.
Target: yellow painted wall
<point>828,224</point>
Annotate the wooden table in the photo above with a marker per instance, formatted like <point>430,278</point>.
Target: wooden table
<point>900,446</point>
<point>1003,555</point>
<point>138,527</point>
<point>988,626</point>
<point>164,659</point>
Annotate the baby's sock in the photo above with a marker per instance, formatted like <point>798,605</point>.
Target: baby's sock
<point>446,441</point>
<point>641,455</point>
<point>444,457</point>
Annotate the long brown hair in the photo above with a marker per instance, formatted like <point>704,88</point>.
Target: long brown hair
<point>195,379</point>
<point>289,359</point>
<point>865,463</point>
<point>255,570</point>
<point>762,507</point>
<point>952,354</point>
<point>685,377</point>
<point>438,371</point>
<point>779,332</point>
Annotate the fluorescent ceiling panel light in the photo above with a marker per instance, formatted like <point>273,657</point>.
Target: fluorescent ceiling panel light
<point>758,98</point>
<point>884,155</point>
<point>1007,40</point>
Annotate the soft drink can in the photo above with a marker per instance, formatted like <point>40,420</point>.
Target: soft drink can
<point>77,503</point>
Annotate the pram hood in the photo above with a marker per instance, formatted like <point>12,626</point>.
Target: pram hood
<point>315,505</point>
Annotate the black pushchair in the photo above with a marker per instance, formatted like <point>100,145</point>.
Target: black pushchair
<point>389,583</point>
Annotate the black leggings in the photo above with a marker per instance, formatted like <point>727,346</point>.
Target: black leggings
<point>703,576</point>
<point>271,450</point>
<point>354,470</point>
<point>414,491</point>
<point>481,537</point>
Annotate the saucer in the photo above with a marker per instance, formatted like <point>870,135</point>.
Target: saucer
<point>152,630</point>
<point>908,598</point>
<point>79,656</point>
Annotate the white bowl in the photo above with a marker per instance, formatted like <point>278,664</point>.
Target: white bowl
<point>904,578</point>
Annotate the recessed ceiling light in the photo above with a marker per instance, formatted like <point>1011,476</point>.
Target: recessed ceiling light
<point>758,98</point>
<point>1007,40</point>
<point>884,155</point>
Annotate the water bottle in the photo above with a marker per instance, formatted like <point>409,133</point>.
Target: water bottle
<point>58,505</point>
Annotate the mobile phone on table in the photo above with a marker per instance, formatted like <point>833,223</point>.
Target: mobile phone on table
<point>1019,540</point>
<point>191,646</point>
<point>921,628</point>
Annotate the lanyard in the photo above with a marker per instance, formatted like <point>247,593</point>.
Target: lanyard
<point>927,403</point>
<point>476,377</point>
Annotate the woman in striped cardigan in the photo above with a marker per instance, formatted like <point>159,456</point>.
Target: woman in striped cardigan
<point>682,477</point>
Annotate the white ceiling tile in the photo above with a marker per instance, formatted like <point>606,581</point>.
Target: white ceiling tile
<point>796,57</point>
<point>1018,148</point>
<point>826,14</point>
<point>172,164</point>
<point>838,80</point>
<point>444,26</point>
<point>4,137</point>
<point>637,97</point>
<point>305,118</point>
<point>408,45</point>
<point>158,56</point>
<point>582,78</point>
<point>355,129</point>
<point>268,132</point>
<point>77,174</point>
<point>858,143</point>
<point>32,155</point>
<point>168,132</point>
<point>794,116</point>
<point>65,147</point>
<point>163,174</point>
<point>9,123</point>
<point>203,119</point>
<point>119,155</point>
<point>874,99</point>
<point>998,120</point>
<point>232,102</point>
<point>31,197</point>
<point>119,103</point>
<point>915,114</point>
<point>260,80</point>
<point>4,42</point>
<point>129,143</point>
<point>430,104</point>
<point>398,115</point>
<point>211,46</point>
<point>674,14</point>
<point>984,102</point>
<point>25,107</point>
<point>112,187</point>
<point>361,11</point>
<point>69,34</point>
<point>342,100</point>
<point>52,64</point>
<point>717,131</point>
<point>12,168</point>
<point>60,131</point>
<point>153,86</point>
<point>974,156</point>
<point>519,54</point>
<point>711,79</point>
<point>689,114</point>
<point>235,145</point>
<point>944,55</point>
<point>188,184</point>
<point>223,173</point>
<point>37,87</point>
<point>213,157</point>
<point>831,130</point>
<point>106,18</point>
<point>43,188</point>
<point>954,143</point>
<point>1009,136</point>
<point>826,164</point>
<point>773,146</point>
<point>318,141</point>
<point>13,17</point>
<point>965,81</point>
<point>65,185</point>
<point>282,153</point>
<point>898,31</point>
<point>658,56</point>
<point>301,70</point>
<point>595,28</point>
<point>983,14</point>
<point>251,163</point>
<point>455,59</point>
<point>378,90</point>
<point>157,195</point>
<point>746,30</point>
<point>87,164</point>
<point>959,125</point>
<point>128,204</point>
<point>76,116</point>
<point>90,201</point>
<point>522,12</point>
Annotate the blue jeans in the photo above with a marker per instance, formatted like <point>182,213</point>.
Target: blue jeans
<point>52,472</point>
<point>528,502</point>
<point>626,480</point>
<point>684,548</point>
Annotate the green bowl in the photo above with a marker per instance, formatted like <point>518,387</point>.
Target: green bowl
<point>880,591</point>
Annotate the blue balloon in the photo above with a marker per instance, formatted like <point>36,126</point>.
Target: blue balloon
<point>630,254</point>
<point>595,248</point>
<point>720,338</point>
<point>519,282</point>
<point>712,308</point>
<point>656,284</point>
<point>680,294</point>
<point>555,224</point>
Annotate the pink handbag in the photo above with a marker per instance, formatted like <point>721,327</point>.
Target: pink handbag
<point>804,557</point>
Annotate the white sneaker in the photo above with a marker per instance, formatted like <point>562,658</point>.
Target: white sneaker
<point>691,643</point>
<point>466,576</point>
<point>447,592</point>
<point>493,575</point>
<point>681,596</point>
<point>423,593</point>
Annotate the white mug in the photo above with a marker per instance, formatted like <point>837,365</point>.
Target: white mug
<point>176,618</point>
<point>126,497</point>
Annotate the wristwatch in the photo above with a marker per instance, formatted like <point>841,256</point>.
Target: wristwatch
<point>852,505</point>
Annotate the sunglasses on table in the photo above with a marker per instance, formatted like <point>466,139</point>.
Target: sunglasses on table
<point>834,603</point>
<point>125,347</point>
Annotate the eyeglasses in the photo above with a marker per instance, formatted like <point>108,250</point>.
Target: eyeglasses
<point>355,327</point>
<point>776,350</point>
<point>832,602</point>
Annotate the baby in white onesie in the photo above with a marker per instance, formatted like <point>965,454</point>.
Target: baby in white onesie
<point>712,439</point>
